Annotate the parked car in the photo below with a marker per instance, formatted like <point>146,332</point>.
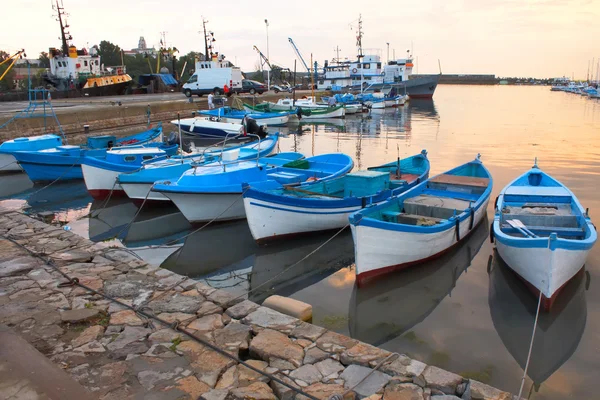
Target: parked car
<point>253,87</point>
<point>281,88</point>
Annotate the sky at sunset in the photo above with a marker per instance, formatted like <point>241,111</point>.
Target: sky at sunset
<point>542,38</point>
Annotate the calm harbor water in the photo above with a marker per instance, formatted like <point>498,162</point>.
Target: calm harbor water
<point>466,312</point>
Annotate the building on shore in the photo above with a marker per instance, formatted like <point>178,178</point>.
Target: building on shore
<point>141,49</point>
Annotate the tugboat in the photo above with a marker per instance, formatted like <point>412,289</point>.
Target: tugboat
<point>72,69</point>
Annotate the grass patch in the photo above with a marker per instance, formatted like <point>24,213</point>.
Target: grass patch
<point>88,305</point>
<point>483,376</point>
<point>333,321</point>
<point>104,320</point>
<point>411,336</point>
<point>175,342</point>
<point>439,358</point>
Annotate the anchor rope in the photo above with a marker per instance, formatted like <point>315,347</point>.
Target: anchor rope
<point>537,314</point>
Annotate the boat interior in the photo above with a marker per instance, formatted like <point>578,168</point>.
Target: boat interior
<point>443,197</point>
<point>539,207</point>
<point>363,183</point>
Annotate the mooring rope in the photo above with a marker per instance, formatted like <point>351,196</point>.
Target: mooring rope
<point>537,314</point>
<point>150,316</point>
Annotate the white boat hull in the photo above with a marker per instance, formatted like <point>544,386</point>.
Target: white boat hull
<point>200,207</point>
<point>353,108</point>
<point>548,270</point>
<point>378,251</point>
<point>8,163</point>
<point>390,103</point>
<point>282,120</point>
<point>141,191</point>
<point>340,112</point>
<point>267,222</point>
<point>101,182</point>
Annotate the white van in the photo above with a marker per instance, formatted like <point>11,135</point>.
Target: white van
<point>212,76</point>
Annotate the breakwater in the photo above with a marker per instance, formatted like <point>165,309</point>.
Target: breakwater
<point>125,329</point>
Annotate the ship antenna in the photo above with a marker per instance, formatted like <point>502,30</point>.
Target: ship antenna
<point>65,36</point>
<point>535,163</point>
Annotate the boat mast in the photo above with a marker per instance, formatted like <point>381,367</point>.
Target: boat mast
<point>360,55</point>
<point>204,22</point>
<point>65,36</point>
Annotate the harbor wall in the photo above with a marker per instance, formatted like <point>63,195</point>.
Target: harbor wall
<point>464,79</point>
<point>125,329</point>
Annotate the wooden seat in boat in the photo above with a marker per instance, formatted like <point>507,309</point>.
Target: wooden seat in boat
<point>435,206</point>
<point>403,177</point>
<point>409,219</point>
<point>461,180</point>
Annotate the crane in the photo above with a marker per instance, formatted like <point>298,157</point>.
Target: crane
<point>263,59</point>
<point>14,59</point>
<point>273,68</point>
<point>299,55</point>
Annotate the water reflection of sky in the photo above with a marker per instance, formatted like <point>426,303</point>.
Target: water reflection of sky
<point>449,313</point>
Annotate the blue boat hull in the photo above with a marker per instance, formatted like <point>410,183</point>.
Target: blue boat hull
<point>46,172</point>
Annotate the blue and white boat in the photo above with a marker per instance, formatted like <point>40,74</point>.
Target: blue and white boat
<point>228,114</point>
<point>8,162</point>
<point>100,174</point>
<point>214,191</point>
<point>137,184</point>
<point>64,162</point>
<point>422,223</point>
<point>276,211</point>
<point>542,232</point>
<point>209,127</point>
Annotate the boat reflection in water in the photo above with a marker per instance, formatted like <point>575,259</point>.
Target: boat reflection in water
<point>225,256</point>
<point>66,200</point>
<point>389,307</point>
<point>558,332</point>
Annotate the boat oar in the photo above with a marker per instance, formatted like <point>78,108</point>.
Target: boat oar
<point>517,227</point>
<point>522,226</point>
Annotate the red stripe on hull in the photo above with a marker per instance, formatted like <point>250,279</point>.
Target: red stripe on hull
<point>366,277</point>
<point>547,303</point>
<point>101,194</point>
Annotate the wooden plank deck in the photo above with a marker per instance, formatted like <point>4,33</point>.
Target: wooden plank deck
<point>461,180</point>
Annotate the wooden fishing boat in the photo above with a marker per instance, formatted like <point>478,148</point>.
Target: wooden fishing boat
<point>274,213</point>
<point>542,232</point>
<point>100,174</point>
<point>228,114</point>
<point>208,127</point>
<point>137,184</point>
<point>374,315</point>
<point>64,162</point>
<point>421,223</point>
<point>214,191</point>
<point>8,162</point>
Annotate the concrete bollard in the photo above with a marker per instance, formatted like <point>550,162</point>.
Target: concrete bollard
<point>86,129</point>
<point>291,307</point>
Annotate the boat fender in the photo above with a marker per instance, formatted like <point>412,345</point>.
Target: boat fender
<point>492,233</point>
<point>383,74</point>
<point>490,263</point>
<point>472,212</point>
<point>363,202</point>
<point>457,223</point>
<point>496,203</point>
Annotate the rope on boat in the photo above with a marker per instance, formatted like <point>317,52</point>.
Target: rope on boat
<point>10,163</point>
<point>149,316</point>
<point>294,264</point>
<point>537,314</point>
<point>56,180</point>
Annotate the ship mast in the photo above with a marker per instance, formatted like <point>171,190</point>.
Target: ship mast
<point>65,36</point>
<point>359,36</point>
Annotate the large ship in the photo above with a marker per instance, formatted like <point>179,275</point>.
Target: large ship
<point>368,74</point>
<point>72,69</point>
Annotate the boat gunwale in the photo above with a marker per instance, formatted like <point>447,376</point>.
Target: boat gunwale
<point>358,219</point>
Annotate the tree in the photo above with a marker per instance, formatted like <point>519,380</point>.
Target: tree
<point>44,60</point>
<point>7,83</point>
<point>110,53</point>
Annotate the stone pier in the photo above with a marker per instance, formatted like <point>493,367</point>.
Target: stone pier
<point>116,353</point>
